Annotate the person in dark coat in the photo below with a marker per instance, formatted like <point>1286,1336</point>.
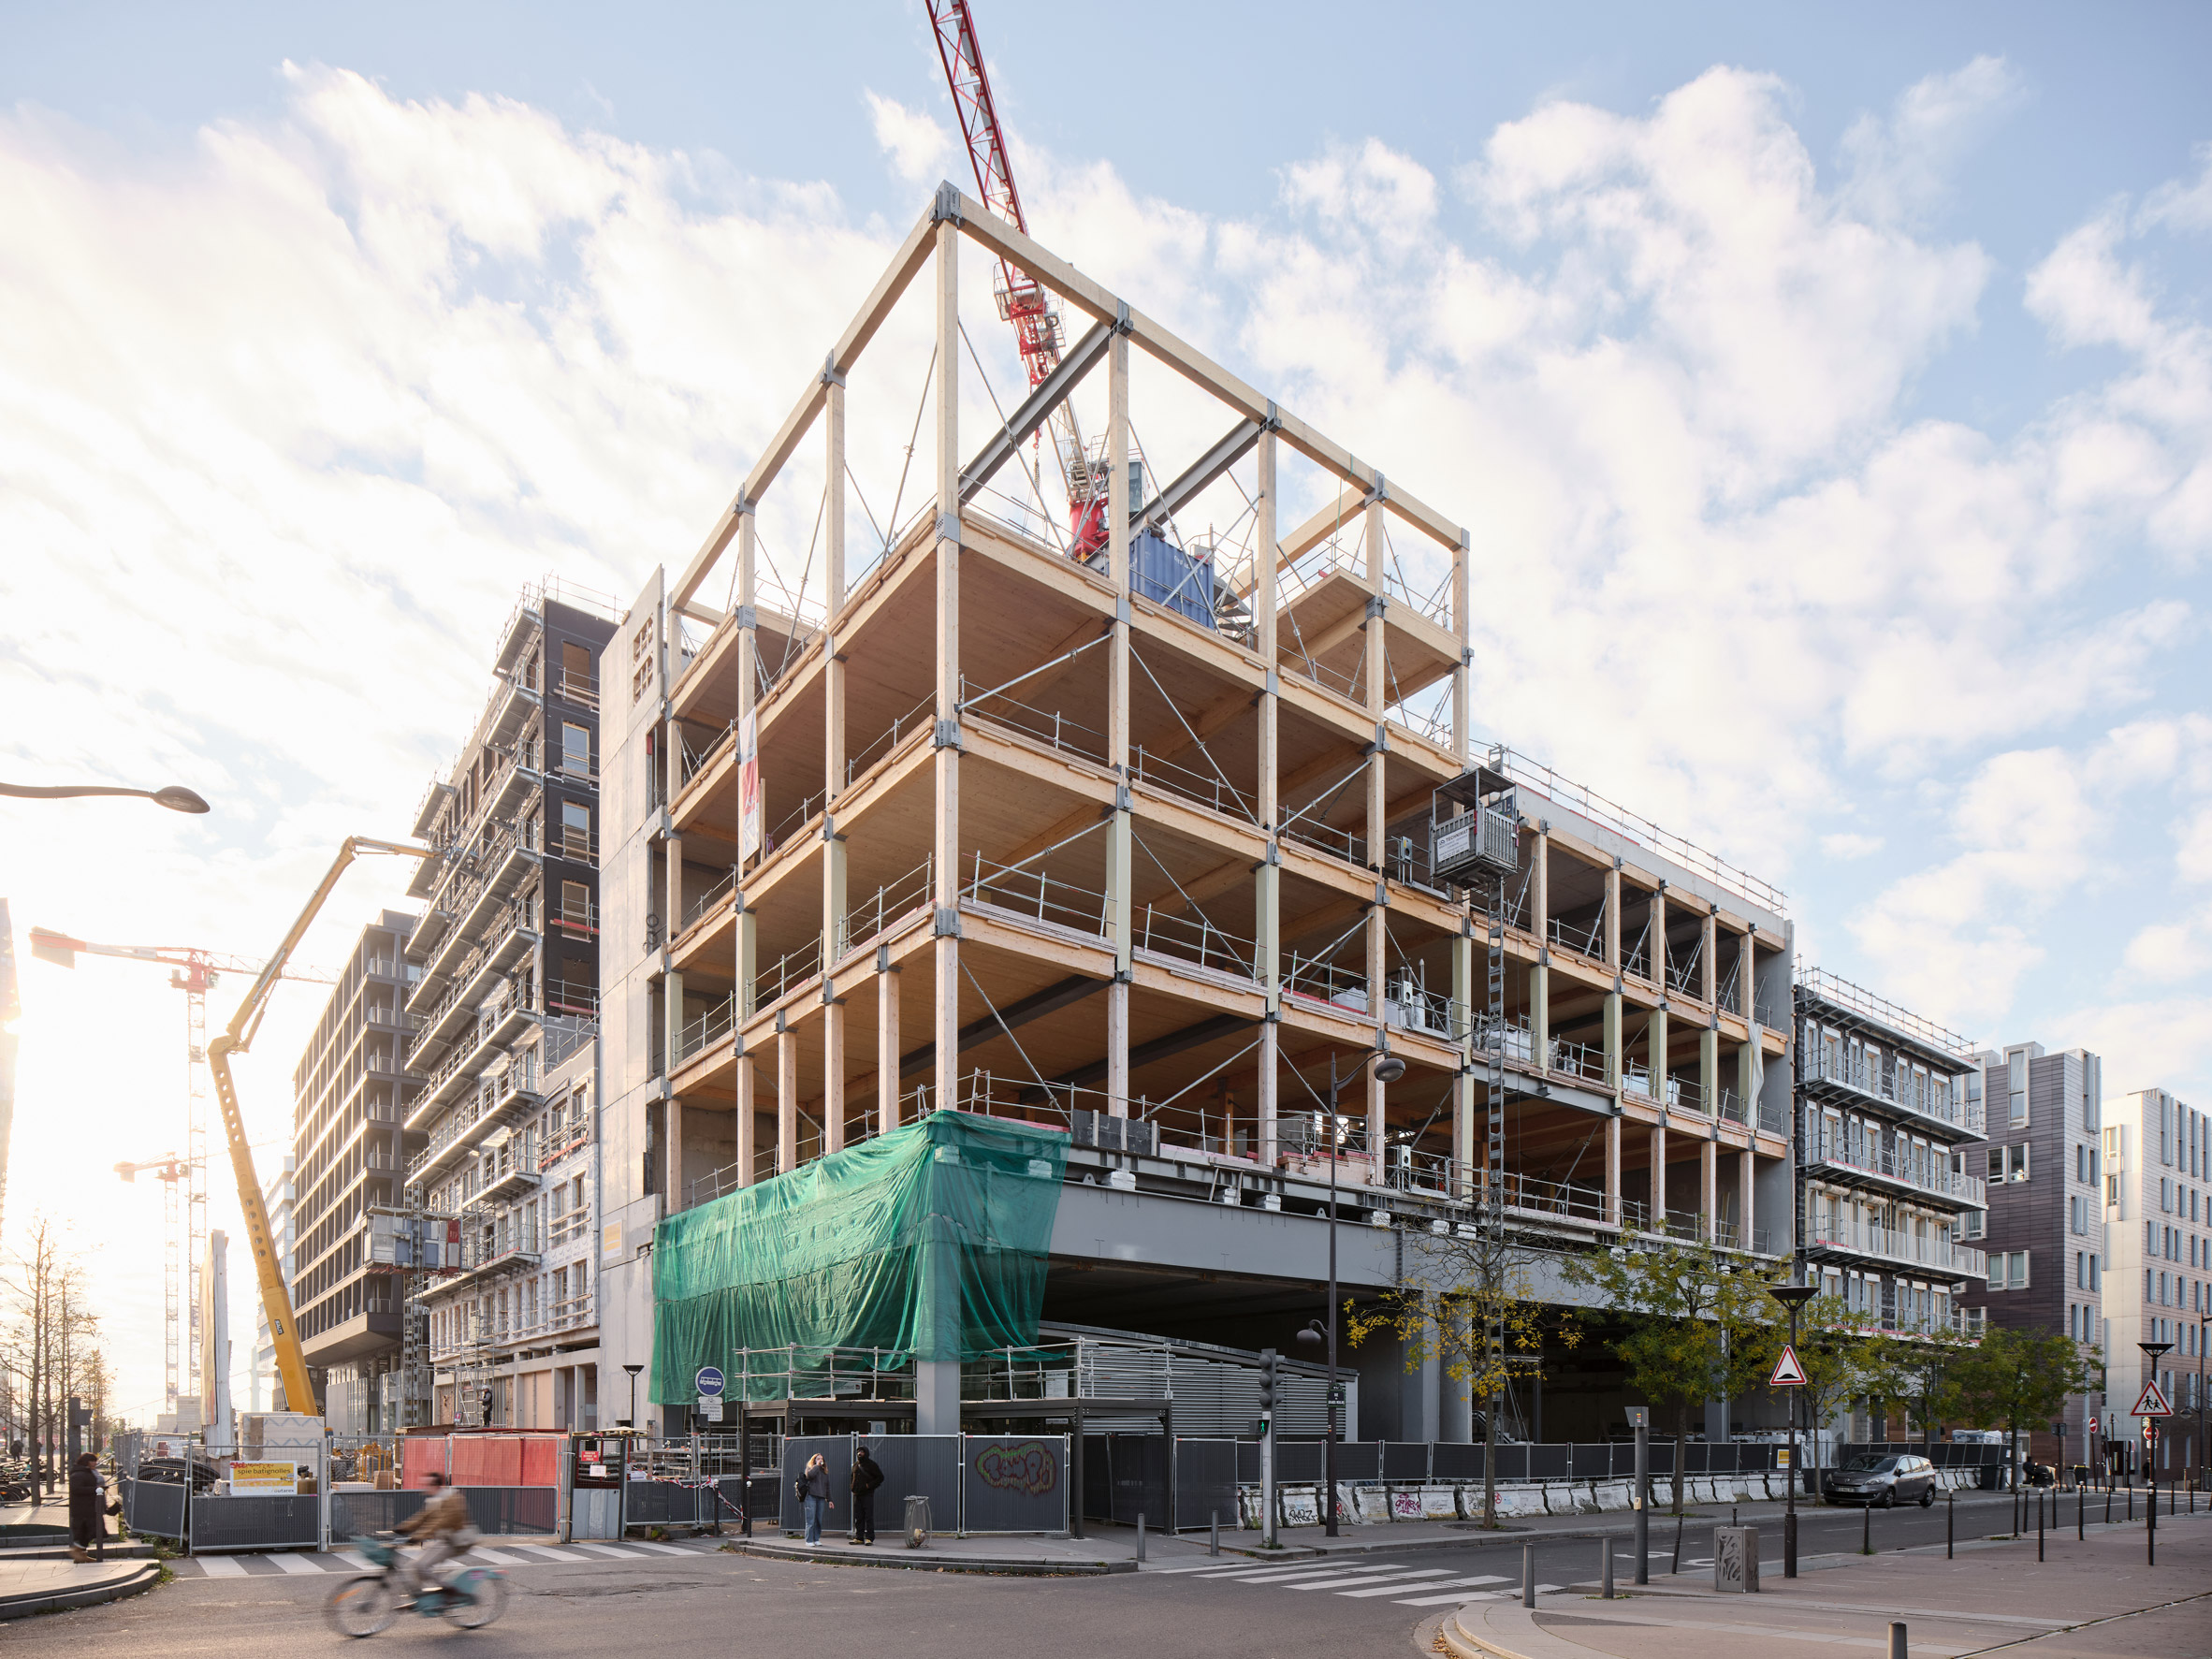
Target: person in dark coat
<point>88,1511</point>
<point>868,1475</point>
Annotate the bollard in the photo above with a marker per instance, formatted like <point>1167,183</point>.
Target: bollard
<point>1674,1562</point>
<point>1140,1535</point>
<point>1866,1529</point>
<point>1897,1638</point>
<point>2039,1526</point>
<point>2081,1502</point>
<point>1214,1536</point>
<point>1950,1524</point>
<point>1528,1575</point>
<point>1605,1569</point>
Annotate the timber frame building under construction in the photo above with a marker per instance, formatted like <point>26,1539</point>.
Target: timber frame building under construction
<point>1140,845</point>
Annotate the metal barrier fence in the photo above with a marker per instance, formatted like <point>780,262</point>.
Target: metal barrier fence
<point>1445,1459</point>
<point>1205,1483</point>
<point>975,1483</point>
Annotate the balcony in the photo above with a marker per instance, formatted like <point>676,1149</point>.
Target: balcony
<point>510,1171</point>
<point>1857,1161</point>
<point>510,1096</point>
<point>1896,1246</point>
<point>491,1264</point>
<point>1850,1073</point>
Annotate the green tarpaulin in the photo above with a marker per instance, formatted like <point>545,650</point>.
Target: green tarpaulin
<point>928,1244</point>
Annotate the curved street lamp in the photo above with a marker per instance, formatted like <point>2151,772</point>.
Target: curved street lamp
<point>175,796</point>
<point>1793,1298</point>
<point>1387,1069</point>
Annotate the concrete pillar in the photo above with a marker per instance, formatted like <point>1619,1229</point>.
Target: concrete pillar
<point>1539,1010</point>
<point>1709,958</point>
<point>679,1196</point>
<point>1709,1186</point>
<point>1745,1214</point>
<point>937,1396</point>
<point>1746,963</point>
<point>886,1042</point>
<point>945,851</point>
<point>1613,1037</point>
<point>1655,1041</point>
<point>1121,832</point>
<point>1613,1169</point>
<point>672,898</point>
<point>1612,928</point>
<point>1658,1189</point>
<point>1656,934</point>
<point>1455,1407</point>
<point>1420,1394</point>
<point>833,1076</point>
<point>1708,1070</point>
<point>1747,1077</point>
<point>1264,1128</point>
<point>745,1135</point>
<point>787,1100</point>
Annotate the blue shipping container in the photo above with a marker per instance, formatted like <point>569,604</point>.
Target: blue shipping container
<point>1164,573</point>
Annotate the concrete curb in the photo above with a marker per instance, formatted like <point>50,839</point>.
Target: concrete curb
<point>923,1561</point>
<point>140,1578</point>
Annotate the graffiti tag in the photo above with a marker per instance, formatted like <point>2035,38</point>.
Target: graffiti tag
<point>1028,1467</point>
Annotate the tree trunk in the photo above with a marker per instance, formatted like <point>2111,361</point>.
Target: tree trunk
<point>1489,1462</point>
<point>1682,1432</point>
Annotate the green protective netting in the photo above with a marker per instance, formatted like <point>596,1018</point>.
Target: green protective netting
<point>926,1243</point>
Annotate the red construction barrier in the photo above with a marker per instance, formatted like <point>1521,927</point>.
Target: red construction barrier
<point>541,1460</point>
<point>419,1455</point>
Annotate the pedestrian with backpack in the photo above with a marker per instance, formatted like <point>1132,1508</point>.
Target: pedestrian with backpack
<point>868,1475</point>
<point>814,1497</point>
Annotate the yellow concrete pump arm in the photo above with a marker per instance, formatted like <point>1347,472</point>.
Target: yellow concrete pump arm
<point>275,1300</point>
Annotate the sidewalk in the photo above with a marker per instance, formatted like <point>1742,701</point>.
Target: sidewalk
<point>1110,1549</point>
<point>2096,1599</point>
<point>28,1587</point>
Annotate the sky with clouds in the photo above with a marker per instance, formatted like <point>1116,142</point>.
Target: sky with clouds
<point>1832,413</point>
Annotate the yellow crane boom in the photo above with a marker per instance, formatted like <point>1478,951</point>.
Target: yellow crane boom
<point>275,1300</point>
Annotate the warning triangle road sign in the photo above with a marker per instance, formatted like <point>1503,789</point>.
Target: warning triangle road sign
<point>2152,1400</point>
<point>1787,1372</point>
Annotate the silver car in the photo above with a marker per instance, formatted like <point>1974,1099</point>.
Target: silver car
<point>1885,1481</point>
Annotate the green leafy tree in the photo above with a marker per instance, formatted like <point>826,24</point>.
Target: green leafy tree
<point>1835,1354</point>
<point>1701,1325</point>
<point>2017,1378</point>
<point>1459,1291</point>
<point>1922,1370</point>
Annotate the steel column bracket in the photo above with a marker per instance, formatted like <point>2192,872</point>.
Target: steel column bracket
<point>1274,423</point>
<point>947,527</point>
<point>743,505</point>
<point>947,204</point>
<point>830,373</point>
<point>1544,956</point>
<point>883,960</point>
<point>1121,318</point>
<point>944,923</point>
<point>1121,796</point>
<point>1381,492</point>
<point>779,1027</point>
<point>747,616</point>
<point>1122,611</point>
<point>1275,853</point>
<point>947,735</point>
<point>1274,684</point>
<point>1378,604</point>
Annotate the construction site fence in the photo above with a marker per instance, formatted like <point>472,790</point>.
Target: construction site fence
<point>975,1483</point>
<point>184,1497</point>
<point>702,1480</point>
<point>1359,1461</point>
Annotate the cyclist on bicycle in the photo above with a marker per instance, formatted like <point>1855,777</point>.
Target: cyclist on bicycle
<point>442,1529</point>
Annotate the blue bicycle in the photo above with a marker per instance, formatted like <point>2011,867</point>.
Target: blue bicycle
<point>367,1602</point>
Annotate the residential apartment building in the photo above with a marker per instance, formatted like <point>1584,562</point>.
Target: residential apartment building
<point>1888,1171</point>
<point>266,1391</point>
<point>513,1341</point>
<point>2044,1226</point>
<point>506,1010</point>
<point>353,1092</point>
<point>2158,1222</point>
<point>980,821</point>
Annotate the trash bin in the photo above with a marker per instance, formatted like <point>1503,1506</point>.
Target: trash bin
<point>917,1520</point>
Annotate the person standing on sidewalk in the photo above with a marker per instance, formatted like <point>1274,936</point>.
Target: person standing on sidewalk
<point>814,1494</point>
<point>868,1475</point>
<point>88,1511</point>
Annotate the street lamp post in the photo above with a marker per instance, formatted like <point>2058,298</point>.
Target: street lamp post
<point>2152,1351</point>
<point>1389,1068</point>
<point>633,1370</point>
<point>1793,1298</point>
<point>2200,1459</point>
<point>175,796</point>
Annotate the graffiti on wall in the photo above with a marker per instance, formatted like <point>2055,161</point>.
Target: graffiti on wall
<point>1027,1467</point>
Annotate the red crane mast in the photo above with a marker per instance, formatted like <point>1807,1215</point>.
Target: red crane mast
<point>1023,300</point>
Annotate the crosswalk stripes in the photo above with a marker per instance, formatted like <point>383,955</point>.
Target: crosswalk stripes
<point>507,1554</point>
<point>1405,1586</point>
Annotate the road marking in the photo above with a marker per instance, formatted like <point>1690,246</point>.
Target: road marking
<point>1404,1577</point>
<point>1462,1595</point>
<point>1280,1575</point>
<point>221,1566</point>
<point>497,1557</point>
<point>354,1559</point>
<point>1447,1585</point>
<point>662,1548</point>
<point>293,1563</point>
<point>605,1550</point>
<point>540,1551</point>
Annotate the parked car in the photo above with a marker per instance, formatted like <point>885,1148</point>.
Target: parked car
<point>1887,1481</point>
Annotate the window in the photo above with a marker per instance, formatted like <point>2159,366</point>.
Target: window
<point>2096,1262</point>
<point>2081,1163</point>
<point>575,830</point>
<point>2015,1068</point>
<point>576,750</point>
<point>1996,1164</point>
<point>2162,1290</point>
<point>2008,1270</point>
<point>1973,1224</point>
<point>575,671</point>
<point>575,904</point>
<point>2075,1210</point>
<point>2081,1270</point>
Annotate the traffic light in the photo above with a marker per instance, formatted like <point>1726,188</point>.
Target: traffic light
<point>1267,1384</point>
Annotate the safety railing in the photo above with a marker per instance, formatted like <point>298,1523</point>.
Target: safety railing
<point>1205,789</point>
<point>1193,938</point>
<point>1860,1070</point>
<point>896,897</point>
<point>1032,892</point>
<point>718,1020</point>
<point>576,919</point>
<point>717,894</point>
<point>1046,725</point>
<point>697,760</point>
<point>789,971</point>
<point>1898,1244</point>
<point>799,816</point>
<point>1325,837</point>
<point>1326,982</point>
<point>1583,941</point>
<point>919,718</point>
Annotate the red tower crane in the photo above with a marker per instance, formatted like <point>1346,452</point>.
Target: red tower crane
<point>193,971</point>
<point>1023,300</point>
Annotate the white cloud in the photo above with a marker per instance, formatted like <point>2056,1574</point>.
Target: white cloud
<point>1846,845</point>
<point>920,147</point>
<point>1897,168</point>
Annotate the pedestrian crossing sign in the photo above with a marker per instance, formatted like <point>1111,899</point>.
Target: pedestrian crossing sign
<point>1788,1374</point>
<point>2152,1400</point>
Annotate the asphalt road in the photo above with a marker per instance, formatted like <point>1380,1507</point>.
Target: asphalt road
<point>715,1603</point>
